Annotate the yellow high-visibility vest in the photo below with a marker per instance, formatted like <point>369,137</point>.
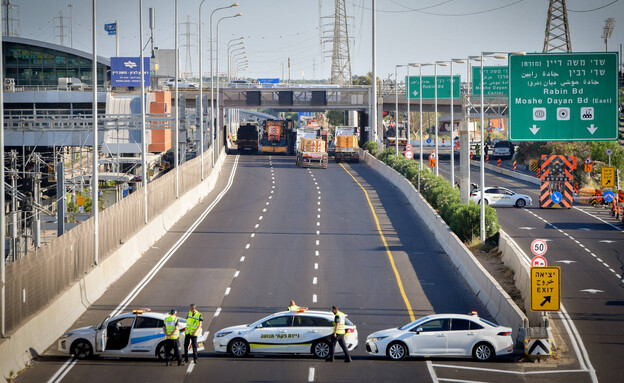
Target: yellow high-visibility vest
<point>340,329</point>
<point>172,330</point>
<point>192,322</point>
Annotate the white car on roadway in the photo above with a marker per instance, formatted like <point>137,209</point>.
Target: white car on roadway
<point>287,332</point>
<point>443,335</point>
<point>135,334</point>
<point>182,84</point>
<point>500,196</point>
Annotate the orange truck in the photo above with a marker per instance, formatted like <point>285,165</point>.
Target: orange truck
<point>312,153</point>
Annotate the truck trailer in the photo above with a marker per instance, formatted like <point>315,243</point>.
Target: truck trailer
<point>312,153</point>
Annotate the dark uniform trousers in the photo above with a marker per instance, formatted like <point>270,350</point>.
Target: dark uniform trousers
<point>188,338</point>
<point>339,338</point>
<point>175,345</point>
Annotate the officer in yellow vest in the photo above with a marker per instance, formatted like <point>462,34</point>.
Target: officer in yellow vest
<point>193,329</point>
<point>338,335</point>
<point>172,334</point>
<point>293,307</point>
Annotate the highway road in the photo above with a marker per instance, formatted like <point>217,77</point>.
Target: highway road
<point>588,244</point>
<point>276,232</point>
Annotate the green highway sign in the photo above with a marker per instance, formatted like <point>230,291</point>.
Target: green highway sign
<point>495,81</point>
<point>563,97</point>
<point>428,89</point>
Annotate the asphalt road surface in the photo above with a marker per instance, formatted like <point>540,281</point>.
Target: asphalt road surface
<point>588,244</point>
<point>279,233</point>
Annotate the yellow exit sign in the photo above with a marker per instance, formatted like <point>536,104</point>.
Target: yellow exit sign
<point>545,288</point>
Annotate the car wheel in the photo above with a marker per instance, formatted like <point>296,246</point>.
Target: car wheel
<point>520,203</point>
<point>479,202</point>
<point>82,349</point>
<point>396,351</point>
<point>238,348</point>
<point>483,352</point>
<point>160,351</point>
<point>320,349</point>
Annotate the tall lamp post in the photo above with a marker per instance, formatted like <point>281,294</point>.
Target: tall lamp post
<point>212,114</point>
<point>435,90</point>
<point>419,66</point>
<point>143,129</point>
<point>217,70</point>
<point>501,56</point>
<point>230,51</point>
<point>459,61</point>
<point>396,110</point>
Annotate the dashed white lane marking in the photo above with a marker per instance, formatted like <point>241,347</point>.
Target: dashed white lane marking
<point>253,235</point>
<point>319,192</point>
<point>271,191</point>
<point>313,298</point>
<point>273,187</point>
<point>319,202</point>
<point>242,259</point>
<point>217,312</point>
<point>267,203</point>
<point>319,209</point>
<point>247,246</point>
<point>317,242</point>
<point>257,225</point>
<point>318,224</point>
<point>227,291</point>
<point>316,266</point>
<point>236,273</point>
<point>318,216</point>
<point>318,232</point>
<point>574,239</point>
<point>190,368</point>
<point>314,280</point>
<point>270,196</point>
<point>260,218</point>
<point>316,253</point>
<point>264,210</point>
<point>311,374</point>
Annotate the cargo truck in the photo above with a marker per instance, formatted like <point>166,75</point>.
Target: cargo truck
<point>346,144</point>
<point>312,153</point>
<point>277,136</point>
<point>248,137</point>
<point>390,138</point>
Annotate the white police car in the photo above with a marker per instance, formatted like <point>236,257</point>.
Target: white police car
<point>135,334</point>
<point>287,332</point>
<point>500,196</point>
<point>443,335</point>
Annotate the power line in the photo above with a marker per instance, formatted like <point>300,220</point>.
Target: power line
<point>420,10</point>
<point>595,9</point>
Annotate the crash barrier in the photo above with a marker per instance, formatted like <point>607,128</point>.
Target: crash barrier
<point>495,300</point>
<point>48,290</point>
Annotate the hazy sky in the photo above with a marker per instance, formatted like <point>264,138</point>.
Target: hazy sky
<point>275,30</point>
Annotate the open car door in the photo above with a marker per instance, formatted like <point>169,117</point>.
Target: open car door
<point>100,335</point>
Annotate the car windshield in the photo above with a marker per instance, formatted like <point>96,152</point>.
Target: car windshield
<point>412,324</point>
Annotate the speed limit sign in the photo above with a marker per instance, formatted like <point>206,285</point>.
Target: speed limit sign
<point>539,247</point>
<point>408,147</point>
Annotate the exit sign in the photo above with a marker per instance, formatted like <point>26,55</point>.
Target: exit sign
<point>563,97</point>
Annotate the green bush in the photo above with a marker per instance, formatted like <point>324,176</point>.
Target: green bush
<point>400,163</point>
<point>371,146</point>
<point>447,211</point>
<point>385,153</point>
<point>465,222</point>
<point>411,172</point>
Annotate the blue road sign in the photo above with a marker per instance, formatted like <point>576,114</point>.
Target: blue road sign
<point>268,80</point>
<point>608,196</point>
<point>428,140</point>
<point>126,71</point>
<point>556,197</point>
<point>111,28</point>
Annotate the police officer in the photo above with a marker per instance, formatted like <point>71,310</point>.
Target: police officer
<point>172,334</point>
<point>293,307</point>
<point>193,329</point>
<point>338,335</point>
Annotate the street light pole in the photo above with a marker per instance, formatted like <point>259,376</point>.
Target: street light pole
<point>177,109</point>
<point>143,130</point>
<point>212,114</point>
<point>201,93</point>
<point>374,74</point>
<point>94,179</point>
<point>453,125</point>
<point>217,70</point>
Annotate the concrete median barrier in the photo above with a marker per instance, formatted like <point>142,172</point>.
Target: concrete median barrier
<point>489,292</point>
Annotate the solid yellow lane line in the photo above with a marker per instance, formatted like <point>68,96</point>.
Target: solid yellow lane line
<point>383,239</point>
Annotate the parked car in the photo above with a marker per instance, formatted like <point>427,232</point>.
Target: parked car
<point>135,334</point>
<point>504,149</point>
<point>286,332</point>
<point>443,335</point>
<point>182,84</point>
<point>500,196</point>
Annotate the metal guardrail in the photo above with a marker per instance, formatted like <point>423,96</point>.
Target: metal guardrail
<point>84,122</point>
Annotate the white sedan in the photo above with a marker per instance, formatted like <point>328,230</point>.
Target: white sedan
<point>287,332</point>
<point>135,334</point>
<point>443,335</point>
<point>500,196</point>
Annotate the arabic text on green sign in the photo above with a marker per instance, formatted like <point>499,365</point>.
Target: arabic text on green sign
<point>428,89</point>
<point>495,81</point>
<point>563,97</point>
